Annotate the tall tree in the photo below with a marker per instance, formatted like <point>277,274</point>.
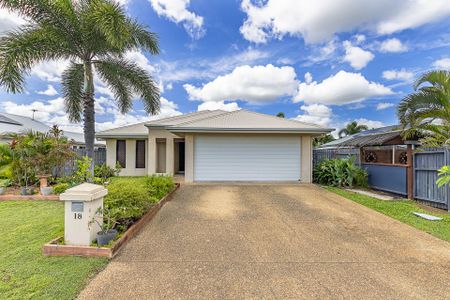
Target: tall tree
<point>323,139</point>
<point>426,112</point>
<point>352,128</point>
<point>93,35</point>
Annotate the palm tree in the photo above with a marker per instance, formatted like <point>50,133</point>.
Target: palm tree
<point>426,112</point>
<point>323,139</point>
<point>352,128</point>
<point>93,35</point>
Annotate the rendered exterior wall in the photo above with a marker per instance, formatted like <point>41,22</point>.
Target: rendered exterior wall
<point>130,168</point>
<point>154,134</point>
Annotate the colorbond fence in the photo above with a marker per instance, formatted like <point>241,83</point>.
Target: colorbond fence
<point>71,165</point>
<point>427,162</point>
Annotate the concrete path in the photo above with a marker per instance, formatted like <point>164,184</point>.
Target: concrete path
<point>276,242</point>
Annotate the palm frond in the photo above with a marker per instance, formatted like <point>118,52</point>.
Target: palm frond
<point>58,14</point>
<point>21,49</point>
<point>72,87</point>
<point>136,79</point>
<point>142,38</point>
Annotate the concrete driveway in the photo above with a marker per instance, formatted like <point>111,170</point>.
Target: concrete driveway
<point>274,241</point>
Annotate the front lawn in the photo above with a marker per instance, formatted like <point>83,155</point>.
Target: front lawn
<point>402,211</point>
<point>24,272</point>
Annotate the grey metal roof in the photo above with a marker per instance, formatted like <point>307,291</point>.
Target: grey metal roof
<point>22,124</point>
<point>141,129</point>
<point>373,137</point>
<point>247,121</point>
<point>217,121</point>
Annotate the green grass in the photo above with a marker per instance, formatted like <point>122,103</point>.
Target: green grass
<point>24,272</point>
<point>402,211</point>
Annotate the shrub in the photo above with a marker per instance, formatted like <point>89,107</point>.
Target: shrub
<point>127,200</point>
<point>60,188</point>
<point>130,197</point>
<point>340,173</point>
<point>104,172</point>
<point>5,182</point>
<point>159,186</point>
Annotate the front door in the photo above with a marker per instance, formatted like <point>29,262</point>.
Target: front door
<point>181,159</point>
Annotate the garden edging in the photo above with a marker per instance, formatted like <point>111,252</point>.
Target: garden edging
<point>12,197</point>
<point>52,248</point>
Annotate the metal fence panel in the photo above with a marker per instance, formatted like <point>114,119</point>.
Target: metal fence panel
<point>321,154</point>
<point>427,162</point>
<point>387,178</point>
<point>71,164</point>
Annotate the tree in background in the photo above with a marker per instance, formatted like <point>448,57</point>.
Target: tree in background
<point>323,139</point>
<point>352,128</point>
<point>281,115</point>
<point>425,113</point>
<point>94,35</point>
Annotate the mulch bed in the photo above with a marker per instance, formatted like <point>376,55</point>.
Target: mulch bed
<point>54,248</point>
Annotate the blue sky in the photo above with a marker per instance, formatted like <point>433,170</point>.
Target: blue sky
<point>327,62</point>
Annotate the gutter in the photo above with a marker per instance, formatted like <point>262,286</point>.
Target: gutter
<point>249,130</point>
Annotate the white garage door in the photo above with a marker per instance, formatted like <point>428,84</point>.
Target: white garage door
<point>244,158</point>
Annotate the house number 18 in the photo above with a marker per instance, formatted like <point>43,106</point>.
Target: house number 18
<point>78,216</point>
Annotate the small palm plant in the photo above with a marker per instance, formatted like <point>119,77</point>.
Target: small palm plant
<point>94,35</point>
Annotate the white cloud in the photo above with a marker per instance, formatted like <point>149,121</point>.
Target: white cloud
<point>316,114</point>
<point>402,74</point>
<point>168,109</point>
<point>393,45</point>
<point>169,86</point>
<point>356,56</point>
<point>9,20</point>
<point>443,63</point>
<point>370,123</point>
<point>50,70</point>
<point>308,77</point>
<point>218,105</point>
<point>52,112</point>
<point>177,11</point>
<point>318,21</point>
<point>50,91</point>
<point>258,84</point>
<point>384,105</point>
<point>359,38</point>
<point>339,89</point>
<point>183,70</point>
<point>141,60</point>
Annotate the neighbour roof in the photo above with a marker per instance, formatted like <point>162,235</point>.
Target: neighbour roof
<point>373,137</point>
<point>243,120</point>
<point>10,123</point>
<point>141,130</point>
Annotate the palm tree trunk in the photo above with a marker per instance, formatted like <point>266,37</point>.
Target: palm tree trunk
<point>89,113</point>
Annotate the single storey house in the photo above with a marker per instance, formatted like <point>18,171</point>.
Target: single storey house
<point>11,123</point>
<point>216,146</point>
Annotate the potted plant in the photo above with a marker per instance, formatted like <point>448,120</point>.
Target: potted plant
<point>107,232</point>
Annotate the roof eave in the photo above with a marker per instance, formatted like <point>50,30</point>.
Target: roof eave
<point>251,130</point>
<point>121,136</point>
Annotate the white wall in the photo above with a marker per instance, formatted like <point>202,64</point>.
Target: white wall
<point>130,168</point>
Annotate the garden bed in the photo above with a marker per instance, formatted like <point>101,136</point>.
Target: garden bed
<point>56,248</point>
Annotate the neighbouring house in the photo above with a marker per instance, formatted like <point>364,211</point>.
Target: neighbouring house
<point>216,146</point>
<point>386,156</point>
<point>10,123</point>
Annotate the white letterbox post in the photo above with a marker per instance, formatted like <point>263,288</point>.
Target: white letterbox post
<point>82,204</point>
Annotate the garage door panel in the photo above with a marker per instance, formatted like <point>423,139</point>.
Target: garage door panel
<point>246,158</point>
